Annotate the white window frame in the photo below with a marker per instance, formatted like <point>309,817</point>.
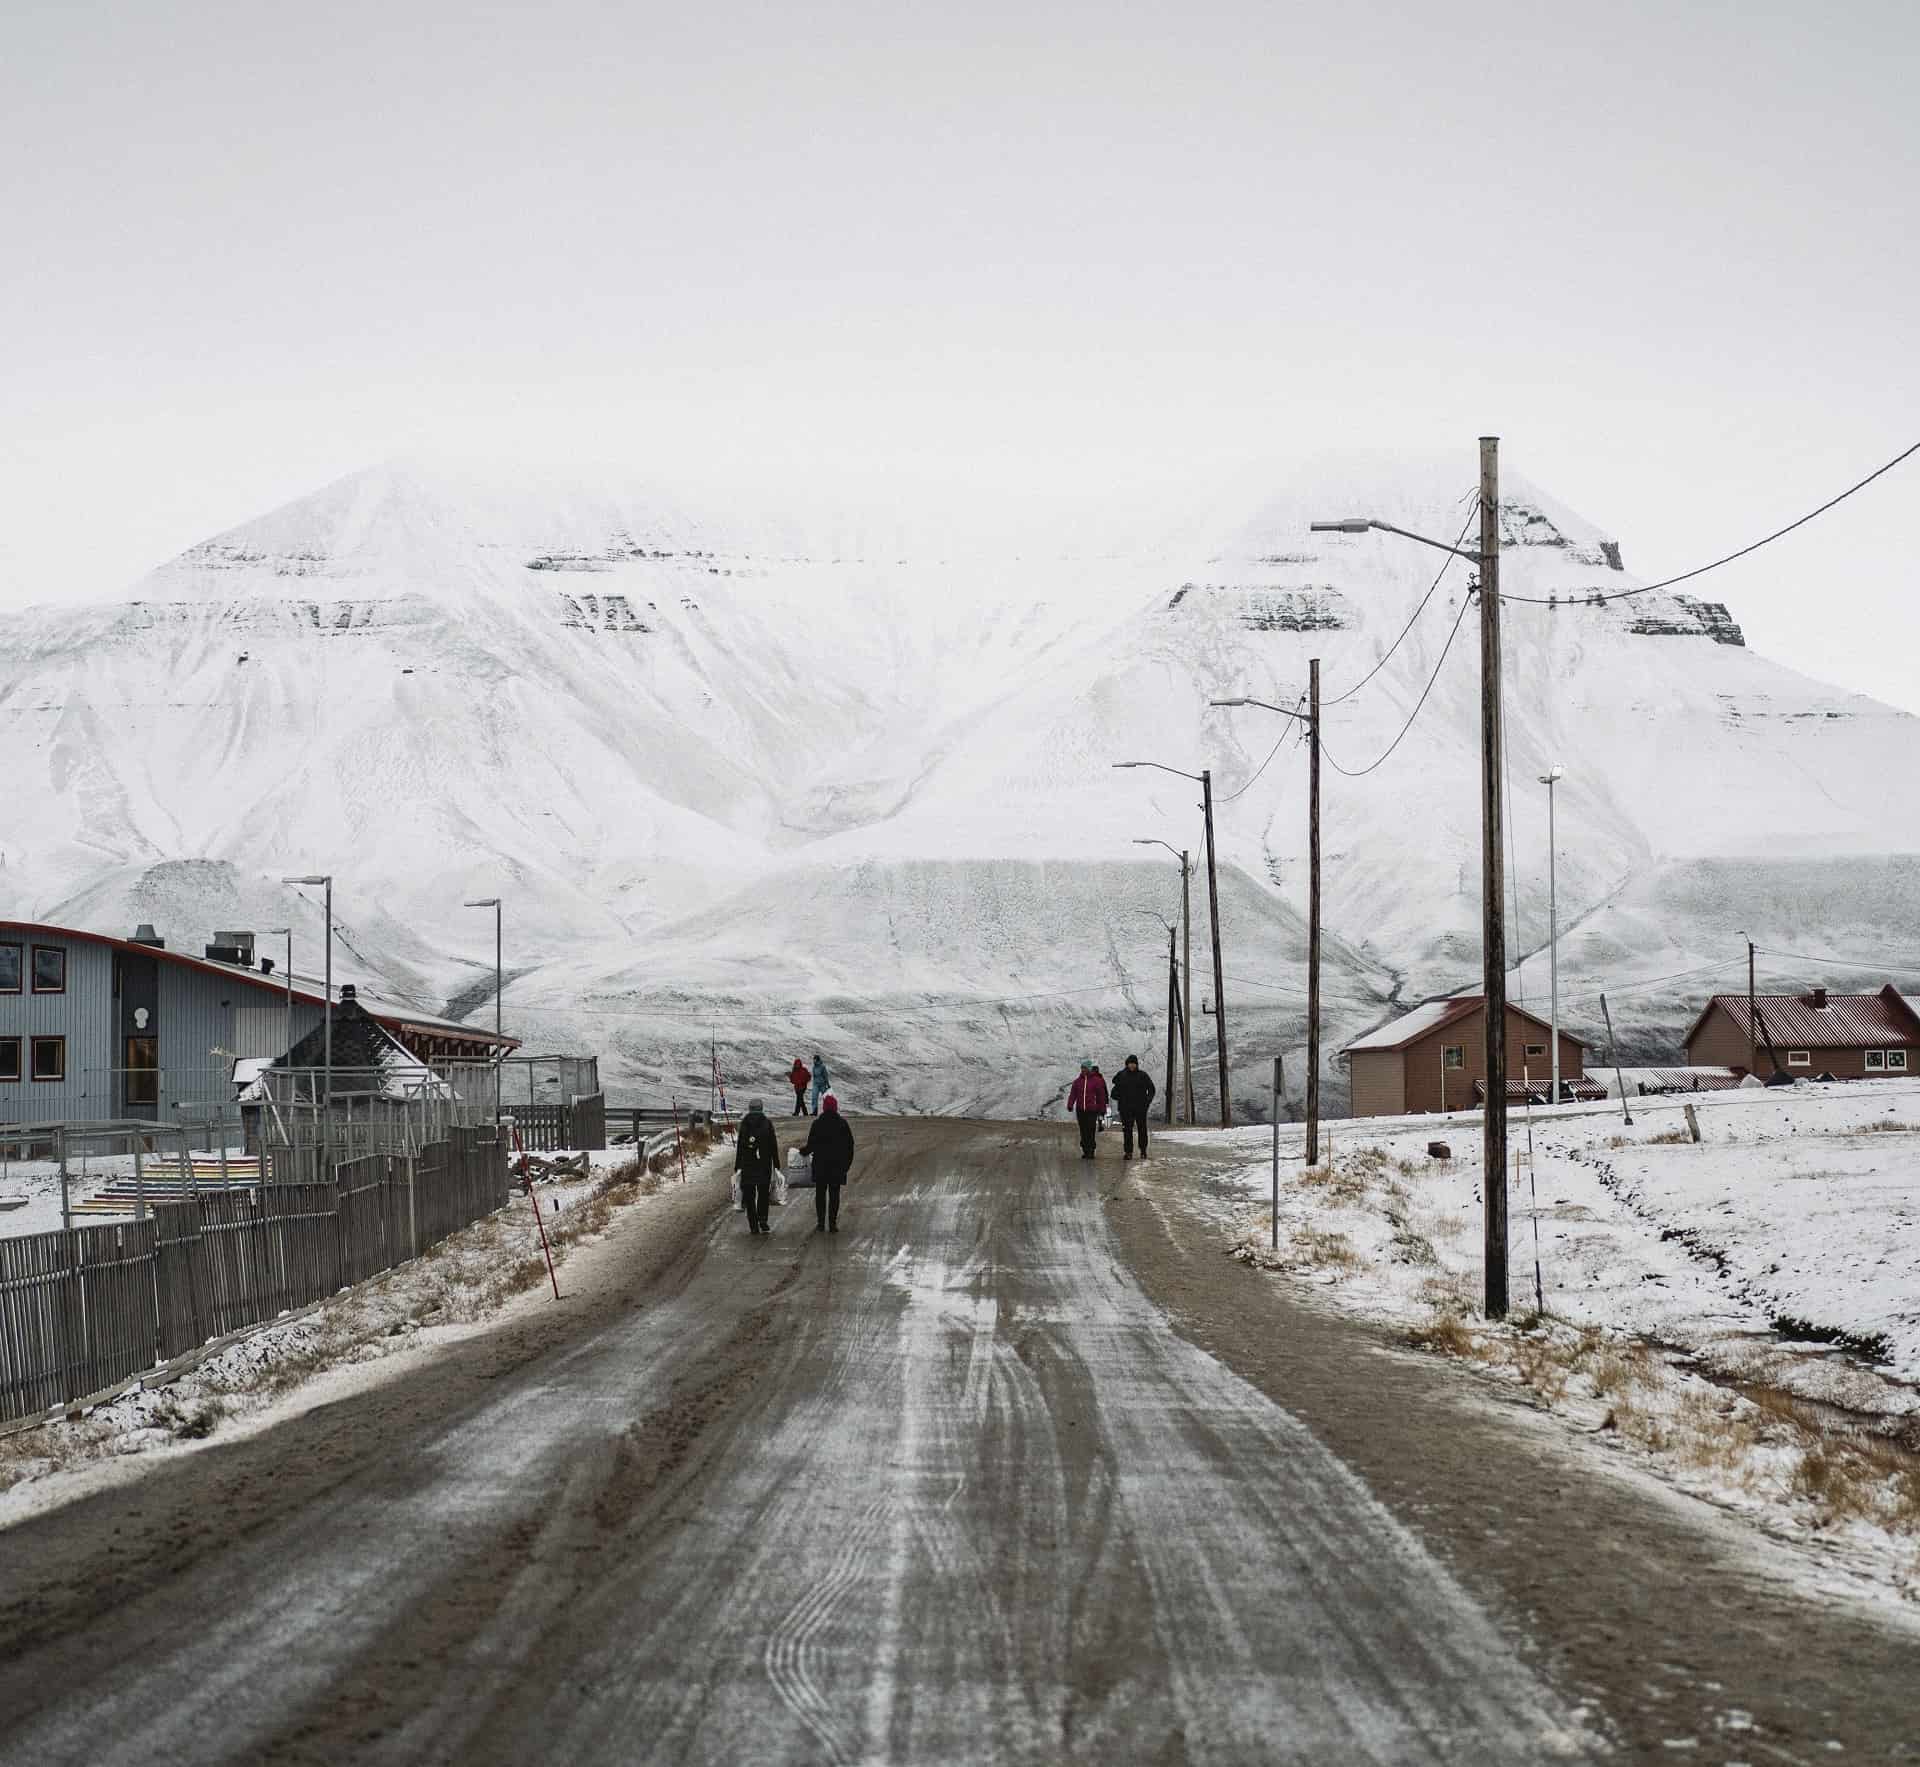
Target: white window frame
<point>1453,1056</point>
<point>1896,1061</point>
<point>1799,1058</point>
<point>1876,1061</point>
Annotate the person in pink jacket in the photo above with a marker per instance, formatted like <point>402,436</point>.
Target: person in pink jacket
<point>1087,1099</point>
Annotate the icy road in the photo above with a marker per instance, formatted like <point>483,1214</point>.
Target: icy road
<point>958,1484</point>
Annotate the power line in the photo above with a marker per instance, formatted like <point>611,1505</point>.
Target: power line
<point>1843,962</point>
<point>1701,570</point>
<point>1446,566</point>
<point>1290,734</point>
<point>1360,772</point>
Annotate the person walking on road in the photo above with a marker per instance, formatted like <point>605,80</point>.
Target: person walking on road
<point>830,1146</point>
<point>798,1079</point>
<point>1133,1091</point>
<point>755,1154</point>
<point>821,1084</point>
<point>1087,1099</point>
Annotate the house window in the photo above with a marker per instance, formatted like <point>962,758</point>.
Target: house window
<point>1896,1061</point>
<point>49,969</point>
<point>10,968</point>
<point>1799,1058</point>
<point>1876,1061</point>
<point>1454,1055</point>
<point>1539,1049</point>
<point>49,1058</point>
<point>9,1059</point>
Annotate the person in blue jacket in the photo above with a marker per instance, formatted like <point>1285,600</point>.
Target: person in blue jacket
<point>821,1084</point>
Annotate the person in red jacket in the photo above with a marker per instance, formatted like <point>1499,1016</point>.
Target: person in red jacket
<point>1087,1099</point>
<point>799,1077</point>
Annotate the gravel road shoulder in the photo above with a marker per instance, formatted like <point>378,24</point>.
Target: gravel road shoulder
<point>1662,1612</point>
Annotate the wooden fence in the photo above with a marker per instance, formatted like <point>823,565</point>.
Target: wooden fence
<point>80,1310</point>
<point>545,1128</point>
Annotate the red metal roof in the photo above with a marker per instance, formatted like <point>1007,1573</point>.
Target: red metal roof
<point>1847,1021</point>
<point>1436,1015</point>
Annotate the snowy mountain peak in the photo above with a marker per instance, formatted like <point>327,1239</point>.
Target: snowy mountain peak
<point>850,775</point>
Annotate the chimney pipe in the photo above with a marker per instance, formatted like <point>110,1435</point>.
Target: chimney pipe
<point>1819,997</point>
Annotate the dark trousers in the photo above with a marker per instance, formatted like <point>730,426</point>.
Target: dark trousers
<point>1131,1125</point>
<point>799,1101</point>
<point>756,1194</point>
<point>1089,1128</point>
<point>826,1202</point>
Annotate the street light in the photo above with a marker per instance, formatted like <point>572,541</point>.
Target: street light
<point>1173,1007</point>
<point>1311,719</point>
<point>1204,778</point>
<point>275,932</point>
<point>1493,942</point>
<point>1550,779</point>
<point>326,1120</point>
<point>493,902</point>
<point>1186,958</point>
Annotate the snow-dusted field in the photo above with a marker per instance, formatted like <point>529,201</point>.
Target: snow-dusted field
<point>1745,1312</point>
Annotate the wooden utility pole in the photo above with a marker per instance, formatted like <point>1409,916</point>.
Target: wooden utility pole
<point>1173,1019</point>
<point>1219,972</point>
<point>1753,1018</point>
<point>1186,959</point>
<point>1492,887</point>
<point>1313,912</point>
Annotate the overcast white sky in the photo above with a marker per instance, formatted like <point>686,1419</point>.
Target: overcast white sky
<point>1670,253</point>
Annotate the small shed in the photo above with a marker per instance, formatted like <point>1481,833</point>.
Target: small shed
<point>1434,1059</point>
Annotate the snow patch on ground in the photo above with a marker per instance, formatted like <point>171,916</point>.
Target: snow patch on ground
<point>1742,1314</point>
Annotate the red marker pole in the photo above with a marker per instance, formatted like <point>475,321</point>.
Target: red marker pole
<point>526,1178</point>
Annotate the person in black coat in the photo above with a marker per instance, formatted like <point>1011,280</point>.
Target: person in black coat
<point>830,1146</point>
<point>756,1152</point>
<point>1133,1091</point>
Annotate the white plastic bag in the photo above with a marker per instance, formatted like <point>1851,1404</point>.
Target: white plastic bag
<point>738,1205</point>
<point>779,1188</point>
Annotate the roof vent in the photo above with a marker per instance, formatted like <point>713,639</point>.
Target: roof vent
<point>266,966</point>
<point>1819,999</point>
<point>144,934</point>
<point>347,992</point>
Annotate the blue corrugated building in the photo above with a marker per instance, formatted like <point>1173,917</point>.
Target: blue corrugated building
<point>94,1028</point>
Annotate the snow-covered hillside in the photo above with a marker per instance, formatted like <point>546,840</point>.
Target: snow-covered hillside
<point>826,782</point>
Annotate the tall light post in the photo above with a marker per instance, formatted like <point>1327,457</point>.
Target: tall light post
<point>1550,779</point>
<point>275,932</point>
<point>1173,1007</point>
<point>1493,933</point>
<point>326,1117</point>
<point>493,902</point>
<point>1204,779</point>
<point>1311,719</point>
<point>1186,959</point>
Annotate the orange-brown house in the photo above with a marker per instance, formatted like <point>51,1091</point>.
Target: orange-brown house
<point>1850,1036</point>
<point>1434,1059</point>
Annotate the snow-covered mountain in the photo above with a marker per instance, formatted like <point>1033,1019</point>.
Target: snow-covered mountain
<point>837,783</point>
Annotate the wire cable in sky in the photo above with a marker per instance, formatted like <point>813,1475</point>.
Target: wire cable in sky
<point>1701,570</point>
<point>1291,733</point>
<point>1356,773</point>
<point>1447,565</point>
